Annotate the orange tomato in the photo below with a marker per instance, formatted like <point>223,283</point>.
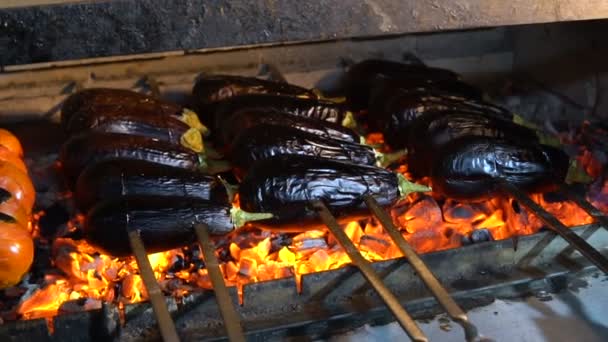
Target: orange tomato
<point>10,141</point>
<point>11,207</point>
<point>10,157</point>
<point>19,184</point>
<point>16,253</point>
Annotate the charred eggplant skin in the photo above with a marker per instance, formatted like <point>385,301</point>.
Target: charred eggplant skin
<point>285,185</point>
<point>80,107</point>
<point>245,119</point>
<point>113,179</point>
<point>88,148</point>
<point>304,107</point>
<point>471,169</point>
<point>266,141</point>
<point>362,77</point>
<point>163,222</point>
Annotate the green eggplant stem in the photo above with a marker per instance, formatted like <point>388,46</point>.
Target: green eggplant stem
<point>231,189</point>
<point>349,121</point>
<point>212,167</point>
<point>241,217</point>
<point>386,159</point>
<point>577,174</point>
<point>191,119</point>
<point>406,187</point>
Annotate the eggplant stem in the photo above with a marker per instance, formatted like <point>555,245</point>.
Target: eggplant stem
<point>193,140</point>
<point>231,189</point>
<point>190,118</point>
<point>349,121</point>
<point>386,159</point>
<point>213,167</point>
<point>406,187</point>
<point>577,174</point>
<point>241,217</point>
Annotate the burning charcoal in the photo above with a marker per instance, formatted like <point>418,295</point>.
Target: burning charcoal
<point>54,216</point>
<point>79,305</point>
<point>481,235</point>
<point>457,212</point>
<point>310,244</point>
<point>279,241</point>
<point>423,214</point>
<point>554,197</point>
<point>378,244</point>
<point>178,265</point>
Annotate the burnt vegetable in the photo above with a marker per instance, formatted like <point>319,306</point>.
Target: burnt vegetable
<point>241,121</point>
<point>163,222</point>
<point>84,149</point>
<point>303,107</point>
<point>110,180</point>
<point>285,186</point>
<point>266,141</point>
<point>82,107</point>
<point>472,168</point>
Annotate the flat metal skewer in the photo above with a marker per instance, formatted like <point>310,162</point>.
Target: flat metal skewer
<point>594,212</point>
<point>404,319</point>
<point>165,322</point>
<point>555,225</point>
<point>427,276</point>
<point>232,321</point>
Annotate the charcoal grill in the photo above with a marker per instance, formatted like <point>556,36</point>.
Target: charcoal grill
<point>310,44</point>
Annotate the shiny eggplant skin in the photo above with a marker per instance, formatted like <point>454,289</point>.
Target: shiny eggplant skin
<point>471,168</point>
<point>361,78</point>
<point>433,131</point>
<point>163,222</point>
<point>245,119</point>
<point>285,185</point>
<point>112,179</point>
<point>163,128</point>
<point>266,141</point>
<point>80,107</point>
<point>88,148</point>
<point>312,108</point>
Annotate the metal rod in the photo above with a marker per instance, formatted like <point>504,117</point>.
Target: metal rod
<point>427,276</point>
<point>404,319</point>
<point>594,212</point>
<point>165,322</point>
<point>555,225</point>
<point>232,321</point>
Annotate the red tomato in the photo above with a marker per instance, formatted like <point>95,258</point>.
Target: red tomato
<point>10,141</point>
<point>19,184</point>
<point>16,253</point>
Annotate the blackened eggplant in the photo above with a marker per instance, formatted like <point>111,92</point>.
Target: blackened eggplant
<point>285,185</point>
<point>87,148</point>
<point>472,168</point>
<point>163,222</point>
<point>304,107</point>
<point>245,119</point>
<point>213,88</point>
<point>266,141</point>
<point>112,179</point>
<point>360,79</point>
<point>432,131</point>
<point>81,106</point>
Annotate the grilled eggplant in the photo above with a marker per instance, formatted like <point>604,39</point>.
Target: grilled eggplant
<point>304,107</point>
<point>213,88</point>
<point>266,141</point>
<point>362,77</point>
<point>84,149</point>
<point>163,222</point>
<point>245,119</point>
<point>472,168</point>
<point>82,109</point>
<point>285,185</point>
<point>112,179</point>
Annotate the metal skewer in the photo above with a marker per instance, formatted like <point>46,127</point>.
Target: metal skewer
<point>232,321</point>
<point>404,319</point>
<point>165,322</point>
<point>429,279</point>
<point>555,225</point>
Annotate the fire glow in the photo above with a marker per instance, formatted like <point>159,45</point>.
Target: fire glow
<point>253,255</point>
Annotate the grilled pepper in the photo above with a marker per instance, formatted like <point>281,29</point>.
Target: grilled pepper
<point>245,119</point>
<point>362,77</point>
<point>84,149</point>
<point>163,222</point>
<point>285,185</point>
<point>303,107</point>
<point>472,168</point>
<point>110,180</point>
<point>81,108</point>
